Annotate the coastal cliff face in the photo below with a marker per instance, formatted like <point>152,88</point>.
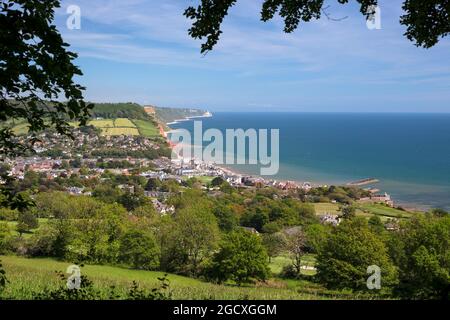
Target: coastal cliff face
<point>150,110</point>
<point>167,115</point>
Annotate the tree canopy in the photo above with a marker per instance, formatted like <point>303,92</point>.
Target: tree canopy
<point>241,258</point>
<point>36,72</point>
<point>348,252</point>
<point>426,22</point>
<point>422,253</point>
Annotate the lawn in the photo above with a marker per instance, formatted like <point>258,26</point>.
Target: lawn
<point>28,275</point>
<point>146,128</point>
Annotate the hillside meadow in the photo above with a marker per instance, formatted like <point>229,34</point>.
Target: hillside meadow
<point>28,276</point>
<point>109,127</point>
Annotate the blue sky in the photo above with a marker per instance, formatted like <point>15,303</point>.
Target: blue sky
<point>139,50</point>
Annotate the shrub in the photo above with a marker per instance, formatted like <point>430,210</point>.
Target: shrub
<point>7,214</point>
<point>3,280</point>
<point>27,221</point>
<point>42,242</point>
<point>160,293</point>
<point>5,233</point>
<point>289,272</point>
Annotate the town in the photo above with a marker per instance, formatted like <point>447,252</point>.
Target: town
<point>89,155</point>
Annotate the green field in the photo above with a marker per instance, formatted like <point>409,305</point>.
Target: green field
<point>32,275</point>
<point>333,208</point>
<point>324,208</point>
<point>102,123</point>
<point>201,179</point>
<point>109,127</point>
<point>124,126</point>
<point>120,131</point>
<point>21,128</point>
<point>146,128</point>
<point>123,122</point>
<point>116,127</point>
<point>365,210</point>
<point>384,211</point>
<point>13,224</point>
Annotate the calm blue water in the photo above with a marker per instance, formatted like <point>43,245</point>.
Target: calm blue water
<point>408,153</point>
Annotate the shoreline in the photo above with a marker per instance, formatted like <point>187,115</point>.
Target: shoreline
<point>407,205</point>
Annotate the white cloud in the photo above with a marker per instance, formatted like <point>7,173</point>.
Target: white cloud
<point>320,52</point>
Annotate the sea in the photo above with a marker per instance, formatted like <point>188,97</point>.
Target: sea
<point>408,153</point>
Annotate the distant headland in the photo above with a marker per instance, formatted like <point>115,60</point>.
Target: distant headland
<point>173,115</point>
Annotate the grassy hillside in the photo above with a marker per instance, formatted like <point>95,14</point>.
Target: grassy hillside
<point>21,128</point>
<point>118,118</point>
<point>120,131</point>
<point>147,128</point>
<point>137,112</point>
<point>108,123</point>
<point>119,110</point>
<point>31,275</point>
<point>119,126</point>
<point>115,127</point>
<point>123,123</point>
